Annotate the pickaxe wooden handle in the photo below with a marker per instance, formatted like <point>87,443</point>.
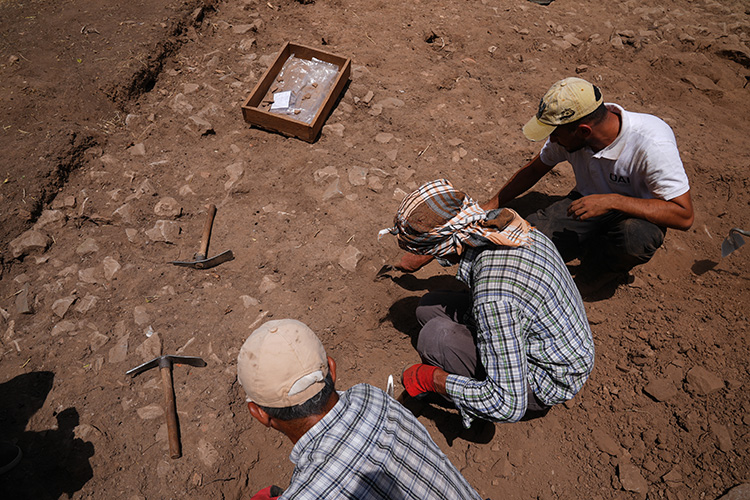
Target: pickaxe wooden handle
<point>173,430</point>
<point>201,255</point>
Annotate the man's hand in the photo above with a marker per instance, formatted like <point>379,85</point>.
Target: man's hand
<point>410,262</point>
<point>418,379</point>
<point>591,206</point>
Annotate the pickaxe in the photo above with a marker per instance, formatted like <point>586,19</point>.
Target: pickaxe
<point>165,366</point>
<point>199,259</point>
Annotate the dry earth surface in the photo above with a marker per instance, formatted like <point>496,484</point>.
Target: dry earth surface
<point>121,123</point>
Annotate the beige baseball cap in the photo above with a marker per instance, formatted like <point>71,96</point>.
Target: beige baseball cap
<point>282,364</point>
<point>565,102</point>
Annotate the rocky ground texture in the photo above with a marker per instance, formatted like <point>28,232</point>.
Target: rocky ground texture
<point>122,123</point>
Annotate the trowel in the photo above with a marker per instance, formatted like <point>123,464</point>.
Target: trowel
<point>733,241</point>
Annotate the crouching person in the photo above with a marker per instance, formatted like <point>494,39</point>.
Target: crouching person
<point>518,341</point>
<point>358,443</point>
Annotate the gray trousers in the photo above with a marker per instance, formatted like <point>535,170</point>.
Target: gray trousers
<point>444,341</point>
<point>622,242</point>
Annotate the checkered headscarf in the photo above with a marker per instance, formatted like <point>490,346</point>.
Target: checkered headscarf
<point>439,220</point>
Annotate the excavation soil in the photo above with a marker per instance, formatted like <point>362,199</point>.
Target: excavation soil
<point>121,123</point>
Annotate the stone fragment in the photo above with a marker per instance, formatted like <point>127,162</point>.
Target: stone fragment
<point>186,190</point>
<point>661,389</point>
<point>59,202</point>
<point>63,327</point>
<point>631,477</point>
<point>391,102</point>
<point>203,126</point>
<point>140,316</point>
<point>673,478</point>
<point>572,40</point>
<point>399,194</point>
<point>357,176</point>
<point>267,284</point>
<point>722,436</point>
<point>349,258</point>
<point>189,88</point>
<point>605,443</point>
<point>375,110</point>
<point>333,191</point>
<point>249,301</point>
<point>383,137</point>
<point>97,341</point>
<point>180,104</point>
<point>334,129</point>
<point>125,212</point>
<point>119,352</point>
<point>368,97</point>
<point>150,412</point>
<point>324,174</point>
<point>149,348</point>
<point>168,207</point>
<point>739,492</point>
<point>164,230</point>
<point>132,234</point>
<point>61,306</point>
<point>23,301</point>
<point>207,453</point>
<point>375,184</point>
<point>110,266</point>
<point>235,172</point>
<point>87,247</point>
<point>137,149</point>
<point>31,241</point>
<point>87,303</point>
<point>702,381</point>
<point>50,218</point>
<point>89,275</point>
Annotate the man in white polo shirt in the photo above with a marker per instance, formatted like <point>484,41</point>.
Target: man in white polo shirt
<point>630,182</point>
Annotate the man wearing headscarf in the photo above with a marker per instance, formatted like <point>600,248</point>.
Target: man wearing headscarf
<point>518,341</point>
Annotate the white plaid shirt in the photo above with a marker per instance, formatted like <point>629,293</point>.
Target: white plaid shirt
<point>370,447</point>
<point>531,327</point>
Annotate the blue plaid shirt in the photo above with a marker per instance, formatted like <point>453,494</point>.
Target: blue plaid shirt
<point>370,447</point>
<point>531,327</point>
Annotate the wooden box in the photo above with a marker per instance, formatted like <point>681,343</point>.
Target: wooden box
<point>253,109</point>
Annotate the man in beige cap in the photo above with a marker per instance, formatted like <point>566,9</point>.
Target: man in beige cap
<point>359,443</point>
<point>630,182</point>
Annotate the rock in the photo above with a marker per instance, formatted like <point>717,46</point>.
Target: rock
<point>739,492</point>
<point>181,105</point>
<point>334,129</point>
<point>324,174</point>
<point>119,352</point>
<point>673,478</point>
<point>605,443</point>
<point>249,301</point>
<point>267,284</point>
<point>149,348</point>
<point>375,184</point>
<point>86,303</point>
<point>399,194</point>
<point>61,306</point>
<point>125,212</point>
<point>722,436</point>
<point>368,97</point>
<point>140,316</point>
<point>357,176</point>
<point>49,218</point>
<point>137,149</point>
<point>150,412</point>
<point>616,42</point>
<point>87,247</point>
<point>164,230</point>
<point>702,381</point>
<point>168,207</point>
<point>391,102</point>
<point>207,453</point>
<point>661,389</point>
<point>204,126</point>
<point>186,190</point>
<point>235,172</point>
<point>631,478</point>
<point>63,327</point>
<point>132,234</point>
<point>333,191</point>
<point>572,40</point>
<point>89,275</point>
<point>23,301</point>
<point>59,202</point>
<point>383,137</point>
<point>31,241</point>
<point>189,88</point>
<point>247,44</point>
<point>110,266</point>
<point>737,53</point>
<point>376,110</point>
<point>97,341</point>
<point>349,258</point>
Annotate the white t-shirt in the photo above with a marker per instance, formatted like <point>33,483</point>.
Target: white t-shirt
<point>642,162</point>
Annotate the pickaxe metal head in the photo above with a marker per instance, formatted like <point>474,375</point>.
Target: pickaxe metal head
<point>166,361</point>
<point>733,241</point>
<point>201,262</point>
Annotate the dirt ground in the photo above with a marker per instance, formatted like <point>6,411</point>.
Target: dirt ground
<point>121,123</point>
